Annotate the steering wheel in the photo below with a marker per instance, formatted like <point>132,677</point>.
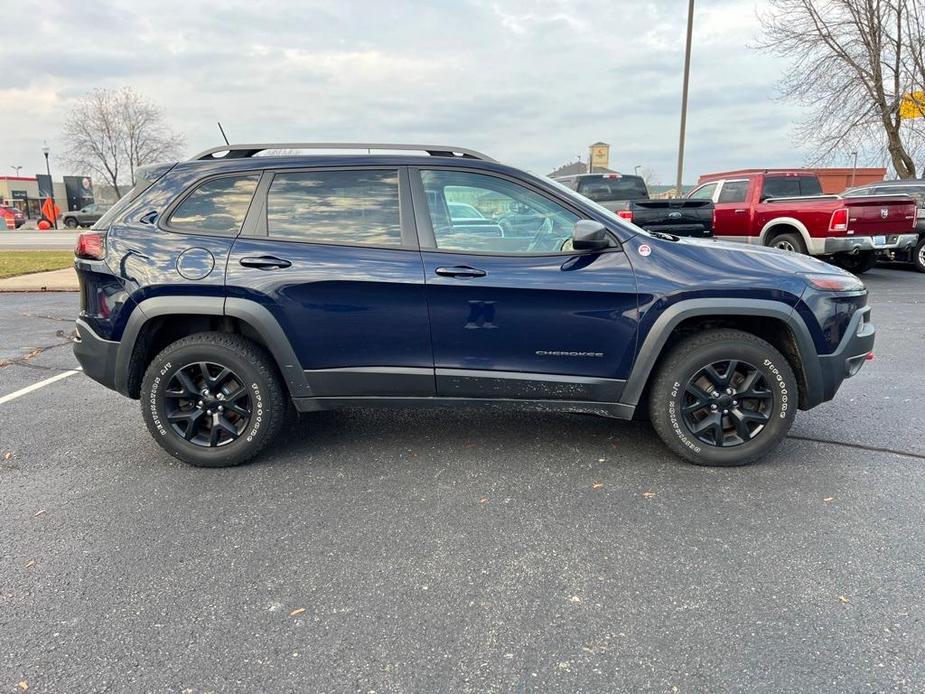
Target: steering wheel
<point>545,229</point>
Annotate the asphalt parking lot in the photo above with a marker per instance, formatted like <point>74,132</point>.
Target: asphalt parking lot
<point>460,551</point>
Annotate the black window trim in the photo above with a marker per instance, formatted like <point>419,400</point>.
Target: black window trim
<point>718,193</point>
<point>163,220</point>
<point>409,238</point>
<point>428,240</point>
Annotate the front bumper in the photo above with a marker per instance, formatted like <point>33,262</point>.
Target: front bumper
<point>850,355</point>
<point>852,244</point>
<point>96,355</point>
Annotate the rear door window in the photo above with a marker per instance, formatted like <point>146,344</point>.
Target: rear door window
<point>217,206</point>
<point>335,207</point>
<point>734,191</point>
<point>790,186</point>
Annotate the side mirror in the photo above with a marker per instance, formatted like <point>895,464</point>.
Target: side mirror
<point>589,235</point>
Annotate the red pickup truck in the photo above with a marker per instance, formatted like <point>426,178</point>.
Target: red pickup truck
<point>785,209</point>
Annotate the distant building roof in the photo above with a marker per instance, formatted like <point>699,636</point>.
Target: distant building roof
<point>578,167</point>
<point>600,144</point>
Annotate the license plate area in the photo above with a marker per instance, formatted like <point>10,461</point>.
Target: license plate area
<point>879,240</point>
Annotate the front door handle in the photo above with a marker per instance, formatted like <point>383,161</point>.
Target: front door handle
<point>741,211</point>
<point>265,262</point>
<point>459,271</point>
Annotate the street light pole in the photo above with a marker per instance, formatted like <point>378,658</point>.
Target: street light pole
<point>636,169</point>
<point>687,73</point>
<point>51,192</point>
<point>17,169</point>
<point>854,166</point>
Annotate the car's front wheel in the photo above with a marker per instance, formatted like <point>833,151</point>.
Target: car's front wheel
<point>723,397</point>
<point>213,399</point>
<point>70,223</point>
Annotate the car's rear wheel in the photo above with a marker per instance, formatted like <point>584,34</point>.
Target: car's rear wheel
<point>723,397</point>
<point>918,255</point>
<point>213,399</point>
<point>856,263</point>
<point>70,222</point>
<point>789,242</point>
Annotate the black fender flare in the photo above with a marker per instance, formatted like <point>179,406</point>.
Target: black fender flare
<point>671,317</point>
<point>252,313</point>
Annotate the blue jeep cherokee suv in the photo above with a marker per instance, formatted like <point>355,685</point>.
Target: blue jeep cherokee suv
<point>223,288</point>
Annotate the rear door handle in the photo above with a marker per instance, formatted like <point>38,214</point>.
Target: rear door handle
<point>459,271</point>
<point>265,262</point>
<point>741,211</point>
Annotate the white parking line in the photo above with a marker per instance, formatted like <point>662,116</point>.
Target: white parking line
<point>36,386</point>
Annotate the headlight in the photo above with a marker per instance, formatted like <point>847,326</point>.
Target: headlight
<point>835,283</point>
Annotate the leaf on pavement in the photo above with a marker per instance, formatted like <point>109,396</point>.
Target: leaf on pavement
<point>7,455</point>
<point>40,513</point>
<point>597,485</point>
<point>31,563</point>
<point>648,494</point>
<point>22,685</point>
<point>829,498</point>
<point>842,599</point>
<point>483,500</point>
<point>297,612</point>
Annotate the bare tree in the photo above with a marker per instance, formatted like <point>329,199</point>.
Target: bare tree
<point>650,176</point>
<point>113,132</point>
<point>851,65</point>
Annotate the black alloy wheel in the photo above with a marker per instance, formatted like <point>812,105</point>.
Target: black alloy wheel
<point>207,404</point>
<point>727,403</point>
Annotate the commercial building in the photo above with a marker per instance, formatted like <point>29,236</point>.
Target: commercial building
<point>70,193</point>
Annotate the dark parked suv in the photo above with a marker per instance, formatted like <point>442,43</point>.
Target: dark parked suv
<point>223,288</point>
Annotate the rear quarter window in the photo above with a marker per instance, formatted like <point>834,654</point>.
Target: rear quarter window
<point>217,206</point>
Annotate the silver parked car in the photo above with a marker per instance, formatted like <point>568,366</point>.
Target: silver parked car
<point>87,216</point>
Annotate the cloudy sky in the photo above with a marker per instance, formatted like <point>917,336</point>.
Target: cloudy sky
<point>529,82</point>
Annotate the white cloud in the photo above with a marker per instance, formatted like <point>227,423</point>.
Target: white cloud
<point>532,83</point>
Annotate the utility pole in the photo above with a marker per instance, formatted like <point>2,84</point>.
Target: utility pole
<point>854,166</point>
<point>687,74</point>
<point>17,169</point>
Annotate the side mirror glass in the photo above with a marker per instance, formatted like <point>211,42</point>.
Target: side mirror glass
<point>589,235</point>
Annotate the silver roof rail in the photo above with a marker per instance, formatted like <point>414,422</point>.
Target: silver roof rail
<point>249,150</point>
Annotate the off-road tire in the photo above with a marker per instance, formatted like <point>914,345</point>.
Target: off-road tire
<point>918,255</point>
<point>789,242</point>
<point>254,370</point>
<point>858,263</point>
<point>688,358</point>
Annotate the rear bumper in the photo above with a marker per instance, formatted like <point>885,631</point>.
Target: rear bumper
<point>852,244</point>
<point>96,355</point>
<point>849,357</point>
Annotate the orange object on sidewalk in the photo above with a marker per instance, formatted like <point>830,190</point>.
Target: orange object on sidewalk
<point>50,210</point>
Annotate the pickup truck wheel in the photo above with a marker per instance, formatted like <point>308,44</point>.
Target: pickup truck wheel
<point>723,397</point>
<point>70,222</point>
<point>213,399</point>
<point>857,263</point>
<point>789,242</point>
<point>918,255</point>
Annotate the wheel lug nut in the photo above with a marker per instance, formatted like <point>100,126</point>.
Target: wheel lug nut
<point>735,403</point>
<point>725,411</point>
<point>713,406</point>
<point>199,404</point>
<point>221,409</point>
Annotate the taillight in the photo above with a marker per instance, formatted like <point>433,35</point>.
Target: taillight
<point>91,245</point>
<point>839,220</point>
<point>625,214</point>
